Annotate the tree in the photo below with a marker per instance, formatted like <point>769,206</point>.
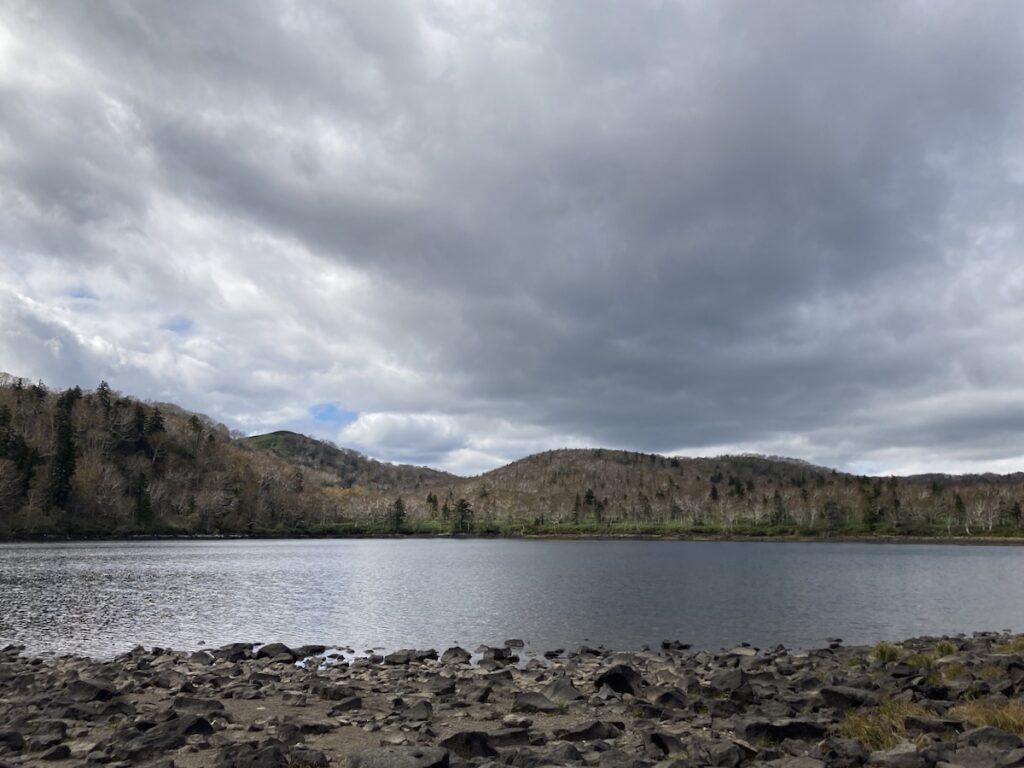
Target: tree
<point>463,519</point>
<point>154,423</point>
<point>397,515</point>
<point>62,463</point>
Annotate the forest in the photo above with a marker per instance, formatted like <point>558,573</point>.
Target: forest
<point>95,463</point>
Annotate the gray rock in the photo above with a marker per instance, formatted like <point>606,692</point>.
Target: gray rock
<point>400,757</point>
<point>903,755</point>
<point>420,711</point>
<point>275,651</point>
<point>470,744</point>
<point>779,730</point>
<point>990,738</point>
<point>456,655</point>
<point>534,702</point>
<point>592,731</point>
<point>621,678</point>
<point>562,691</point>
<point>842,698</point>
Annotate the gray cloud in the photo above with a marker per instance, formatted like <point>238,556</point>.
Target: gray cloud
<point>487,230</point>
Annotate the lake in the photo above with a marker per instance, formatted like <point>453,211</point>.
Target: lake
<point>103,598</point>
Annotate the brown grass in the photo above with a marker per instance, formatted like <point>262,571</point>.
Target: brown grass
<point>882,727</point>
<point>1004,715</point>
<point>1015,645</point>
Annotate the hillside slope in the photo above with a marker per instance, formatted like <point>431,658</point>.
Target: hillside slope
<point>350,468</point>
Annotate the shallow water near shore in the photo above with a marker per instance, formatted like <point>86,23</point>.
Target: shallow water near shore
<point>101,598</point>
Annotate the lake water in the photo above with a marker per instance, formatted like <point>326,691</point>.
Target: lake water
<point>103,598</point>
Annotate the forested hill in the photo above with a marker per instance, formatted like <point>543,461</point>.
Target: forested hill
<point>349,468</point>
<point>101,463</point>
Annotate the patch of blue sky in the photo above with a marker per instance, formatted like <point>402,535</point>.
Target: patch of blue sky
<point>83,292</point>
<point>178,324</point>
<point>330,413</point>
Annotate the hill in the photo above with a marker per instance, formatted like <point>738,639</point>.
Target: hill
<point>101,463</point>
<point>348,467</point>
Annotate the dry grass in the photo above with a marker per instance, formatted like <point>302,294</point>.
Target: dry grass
<point>921,660</point>
<point>1004,715</point>
<point>953,671</point>
<point>990,672</point>
<point>882,727</point>
<point>1016,645</point>
<point>886,652</point>
<point>946,648</point>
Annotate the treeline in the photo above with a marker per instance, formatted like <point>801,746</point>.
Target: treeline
<point>100,463</point>
<point>617,492</point>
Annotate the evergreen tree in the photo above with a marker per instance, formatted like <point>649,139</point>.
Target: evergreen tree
<point>397,515</point>
<point>463,519</point>
<point>62,463</point>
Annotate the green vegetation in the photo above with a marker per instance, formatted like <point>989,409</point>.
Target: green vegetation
<point>946,648</point>
<point>1016,645</point>
<point>881,727</point>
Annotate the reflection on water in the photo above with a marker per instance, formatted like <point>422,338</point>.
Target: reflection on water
<point>102,598</point>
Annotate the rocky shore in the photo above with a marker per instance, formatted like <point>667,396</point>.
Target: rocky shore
<point>922,703</point>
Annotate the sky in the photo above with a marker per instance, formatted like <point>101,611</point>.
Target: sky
<point>456,233</point>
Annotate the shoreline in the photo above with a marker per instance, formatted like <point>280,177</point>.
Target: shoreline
<point>913,704</point>
<point>973,540</point>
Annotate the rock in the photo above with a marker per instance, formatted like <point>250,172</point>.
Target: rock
<point>276,651</point>
<point>509,737</point>
<point>348,704</point>
<point>903,755</point>
<point>562,691</point>
<point>252,756</point>
<point>307,757</point>
<point>778,730</point>
<point>305,651</point>
<point>400,757</point>
<point>408,656</point>
<point>844,753</point>
<point>165,737</point>
<point>12,739</point>
<point>233,652</point>
<point>621,678</point>
<point>58,752</point>
<point>469,744</point>
<point>592,731</point>
<point>419,711</point>
<point>617,758</point>
<point>534,702</point>
<point>456,655</point>
<point>842,698</point>
<point>990,738</point>
<point>515,643</point>
<point>661,744</point>
<point>91,690</point>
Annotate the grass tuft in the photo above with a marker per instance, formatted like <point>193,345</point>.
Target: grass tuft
<point>886,652</point>
<point>922,661</point>
<point>946,648</point>
<point>1016,645</point>
<point>1004,715</point>
<point>882,727</point>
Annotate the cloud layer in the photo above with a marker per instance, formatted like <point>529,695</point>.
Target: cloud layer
<point>480,230</point>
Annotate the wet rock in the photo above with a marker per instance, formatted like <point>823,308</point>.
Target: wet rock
<point>470,744</point>
<point>621,678</point>
<point>278,651</point>
<point>408,656</point>
<point>514,643</point>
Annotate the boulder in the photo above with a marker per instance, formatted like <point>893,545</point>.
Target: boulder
<point>990,738</point>
<point>562,691</point>
<point>592,731</point>
<point>621,678</point>
<point>903,755</point>
<point>470,744</point>
<point>456,655</point>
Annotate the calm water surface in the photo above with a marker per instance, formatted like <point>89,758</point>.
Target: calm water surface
<point>103,598</point>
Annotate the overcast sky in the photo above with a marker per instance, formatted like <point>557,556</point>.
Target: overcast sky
<point>455,233</point>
